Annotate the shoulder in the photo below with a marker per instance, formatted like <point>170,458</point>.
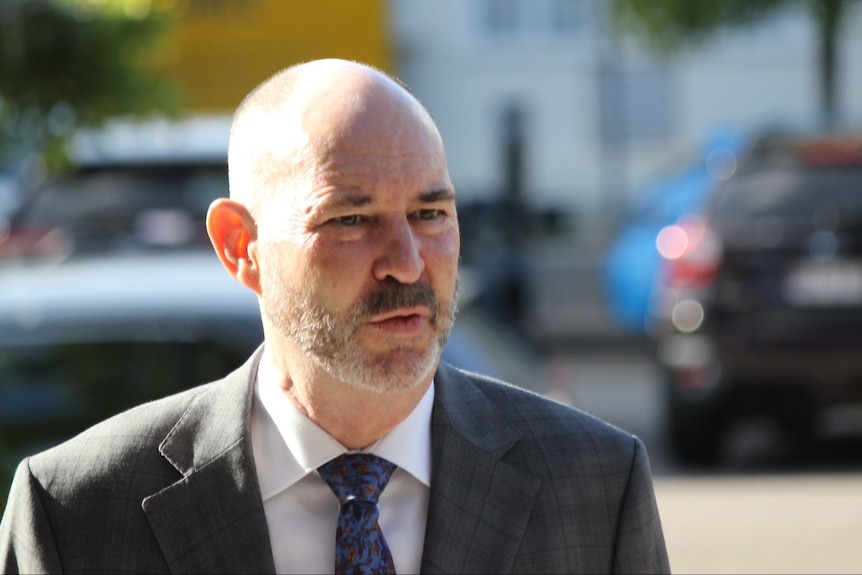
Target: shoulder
<point>546,429</point>
<point>125,450</point>
<point>127,445</point>
<point>522,408</point>
<point>98,455</point>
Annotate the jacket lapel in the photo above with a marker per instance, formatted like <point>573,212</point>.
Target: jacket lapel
<point>212,520</point>
<point>479,505</point>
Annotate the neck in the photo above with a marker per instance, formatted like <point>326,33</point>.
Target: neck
<point>356,418</point>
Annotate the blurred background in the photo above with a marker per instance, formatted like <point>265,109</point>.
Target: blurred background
<point>661,211</point>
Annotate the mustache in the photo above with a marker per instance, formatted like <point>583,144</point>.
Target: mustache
<point>393,295</point>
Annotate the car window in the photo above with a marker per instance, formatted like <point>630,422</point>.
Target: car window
<point>793,192</point>
<point>128,207</point>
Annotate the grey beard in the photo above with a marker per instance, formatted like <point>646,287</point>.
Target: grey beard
<point>327,337</point>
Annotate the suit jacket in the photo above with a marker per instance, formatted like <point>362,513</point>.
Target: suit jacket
<point>519,484</point>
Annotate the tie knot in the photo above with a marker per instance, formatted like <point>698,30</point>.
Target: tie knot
<point>357,476</point>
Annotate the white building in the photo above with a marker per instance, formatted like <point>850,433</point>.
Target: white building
<point>601,115</point>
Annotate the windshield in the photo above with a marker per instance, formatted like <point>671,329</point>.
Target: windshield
<point>793,192</point>
<point>137,207</point>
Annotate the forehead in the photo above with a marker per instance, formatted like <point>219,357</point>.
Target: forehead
<point>344,177</point>
<point>374,157</point>
<point>374,164</point>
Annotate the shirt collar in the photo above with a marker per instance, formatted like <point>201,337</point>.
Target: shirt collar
<point>279,423</point>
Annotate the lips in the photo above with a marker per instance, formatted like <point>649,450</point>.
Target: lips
<point>402,322</point>
<point>405,313</point>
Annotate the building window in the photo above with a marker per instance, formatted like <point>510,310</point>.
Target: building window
<point>634,103</point>
<point>567,16</point>
<point>500,17</point>
<point>533,19</point>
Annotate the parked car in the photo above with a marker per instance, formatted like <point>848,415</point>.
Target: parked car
<point>759,311</point>
<point>93,336</point>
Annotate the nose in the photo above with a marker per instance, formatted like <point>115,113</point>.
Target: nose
<point>400,258</point>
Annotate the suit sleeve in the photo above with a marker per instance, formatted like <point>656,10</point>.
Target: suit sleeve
<point>640,545</point>
<point>26,538</point>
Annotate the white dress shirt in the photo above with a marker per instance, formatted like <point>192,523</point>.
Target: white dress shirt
<point>301,510</point>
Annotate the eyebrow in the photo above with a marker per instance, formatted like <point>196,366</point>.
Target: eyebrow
<point>350,201</point>
<point>433,196</point>
<point>360,200</point>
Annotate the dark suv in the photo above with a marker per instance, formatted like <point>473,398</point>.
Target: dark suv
<point>759,312</point>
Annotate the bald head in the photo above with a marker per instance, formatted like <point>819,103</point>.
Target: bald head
<point>286,126</point>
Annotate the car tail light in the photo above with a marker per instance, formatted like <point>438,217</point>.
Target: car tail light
<point>692,253</point>
<point>834,151</point>
<point>33,242</point>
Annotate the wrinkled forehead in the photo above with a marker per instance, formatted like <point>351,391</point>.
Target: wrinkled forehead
<point>339,180</point>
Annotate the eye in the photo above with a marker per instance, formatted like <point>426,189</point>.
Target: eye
<point>349,221</point>
<point>428,214</point>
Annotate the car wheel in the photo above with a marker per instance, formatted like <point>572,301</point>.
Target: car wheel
<point>695,432</point>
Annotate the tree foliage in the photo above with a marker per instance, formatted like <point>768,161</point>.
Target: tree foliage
<point>66,64</point>
<point>673,24</point>
<point>669,25</point>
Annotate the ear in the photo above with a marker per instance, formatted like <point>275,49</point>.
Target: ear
<point>233,232</point>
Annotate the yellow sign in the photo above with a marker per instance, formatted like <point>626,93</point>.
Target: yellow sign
<point>218,50</point>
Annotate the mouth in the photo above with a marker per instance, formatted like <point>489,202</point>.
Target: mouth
<point>419,310</point>
<point>403,321</point>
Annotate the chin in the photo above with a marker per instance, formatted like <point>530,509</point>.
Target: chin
<point>396,371</point>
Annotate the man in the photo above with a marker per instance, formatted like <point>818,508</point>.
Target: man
<point>342,220</point>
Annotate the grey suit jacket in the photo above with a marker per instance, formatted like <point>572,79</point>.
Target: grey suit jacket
<point>519,484</point>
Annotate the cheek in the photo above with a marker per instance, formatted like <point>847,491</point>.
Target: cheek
<point>441,256</point>
<point>335,273</point>
<point>283,265</point>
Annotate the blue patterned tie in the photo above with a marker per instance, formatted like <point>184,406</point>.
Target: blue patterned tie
<point>358,479</point>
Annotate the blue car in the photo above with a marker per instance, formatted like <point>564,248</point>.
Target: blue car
<point>632,263</point>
